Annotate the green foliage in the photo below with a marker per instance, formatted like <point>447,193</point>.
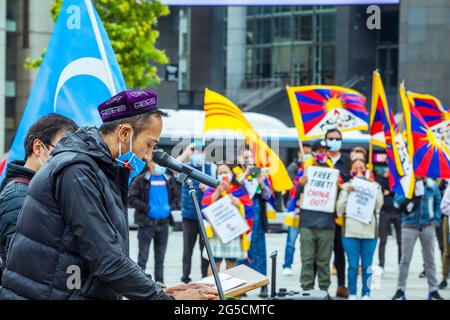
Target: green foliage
<point>130,25</point>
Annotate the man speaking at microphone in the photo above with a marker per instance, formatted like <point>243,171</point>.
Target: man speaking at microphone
<point>72,233</point>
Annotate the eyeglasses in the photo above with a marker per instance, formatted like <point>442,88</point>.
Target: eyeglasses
<point>334,139</point>
<point>50,145</point>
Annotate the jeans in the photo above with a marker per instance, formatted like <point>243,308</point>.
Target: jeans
<point>355,249</point>
<point>160,235</point>
<point>292,235</point>
<point>427,238</point>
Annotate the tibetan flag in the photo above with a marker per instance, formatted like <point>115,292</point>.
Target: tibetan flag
<point>79,71</point>
<point>430,157</point>
<point>316,109</point>
<point>222,114</point>
<point>401,178</point>
<point>435,114</point>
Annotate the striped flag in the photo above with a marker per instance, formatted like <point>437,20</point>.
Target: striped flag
<point>316,109</point>
<point>430,157</point>
<point>401,178</point>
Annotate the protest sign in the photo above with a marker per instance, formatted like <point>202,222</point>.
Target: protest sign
<point>361,202</point>
<point>321,189</point>
<point>226,220</point>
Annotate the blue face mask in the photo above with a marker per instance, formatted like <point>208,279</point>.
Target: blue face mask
<point>131,161</point>
<point>159,170</point>
<point>334,145</point>
<point>197,159</point>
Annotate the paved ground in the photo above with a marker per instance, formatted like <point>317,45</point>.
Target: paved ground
<point>384,287</point>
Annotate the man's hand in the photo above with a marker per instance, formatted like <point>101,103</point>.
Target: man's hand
<point>193,291</point>
<point>350,189</point>
<point>182,287</point>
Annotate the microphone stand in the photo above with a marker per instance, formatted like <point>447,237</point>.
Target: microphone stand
<point>183,178</point>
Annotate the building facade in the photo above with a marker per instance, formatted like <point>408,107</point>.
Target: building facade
<point>25,29</point>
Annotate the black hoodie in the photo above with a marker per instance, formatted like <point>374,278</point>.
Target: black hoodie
<point>74,226</point>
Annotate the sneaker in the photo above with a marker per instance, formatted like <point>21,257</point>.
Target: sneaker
<point>443,284</point>
<point>435,296</point>
<point>287,271</point>
<point>399,295</point>
<point>422,274</point>
<point>352,297</point>
<point>366,297</point>
<point>342,292</point>
<point>379,271</point>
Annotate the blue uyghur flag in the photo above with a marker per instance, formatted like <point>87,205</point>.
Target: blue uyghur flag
<point>78,73</point>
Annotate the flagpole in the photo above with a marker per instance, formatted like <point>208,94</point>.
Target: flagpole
<point>372,114</point>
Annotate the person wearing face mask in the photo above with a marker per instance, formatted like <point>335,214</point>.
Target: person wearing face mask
<point>258,187</point>
<point>316,228</point>
<point>236,249</point>
<point>154,195</point>
<point>421,215</point>
<point>193,156</point>
<point>40,140</point>
<point>359,239</point>
<point>341,162</point>
<point>72,238</point>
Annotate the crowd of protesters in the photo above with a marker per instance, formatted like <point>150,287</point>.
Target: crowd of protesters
<point>66,205</point>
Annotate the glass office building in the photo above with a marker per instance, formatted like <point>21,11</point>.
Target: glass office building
<point>291,44</point>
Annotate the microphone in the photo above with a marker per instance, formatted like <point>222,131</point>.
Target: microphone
<point>165,160</point>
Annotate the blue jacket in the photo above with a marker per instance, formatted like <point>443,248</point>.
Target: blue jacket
<point>187,207</point>
<point>426,211</point>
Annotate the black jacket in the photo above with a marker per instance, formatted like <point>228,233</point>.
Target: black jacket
<point>75,214</point>
<point>388,204</point>
<point>138,198</point>
<point>343,165</point>
<point>11,199</point>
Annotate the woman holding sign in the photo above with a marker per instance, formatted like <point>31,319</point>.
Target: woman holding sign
<point>254,180</point>
<point>359,201</point>
<point>229,190</point>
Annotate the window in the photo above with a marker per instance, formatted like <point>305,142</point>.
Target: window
<point>184,43</point>
<point>301,63</point>
<point>281,61</point>
<point>282,29</point>
<point>250,36</point>
<point>263,63</point>
<point>303,27</point>
<point>264,31</point>
<point>327,27</point>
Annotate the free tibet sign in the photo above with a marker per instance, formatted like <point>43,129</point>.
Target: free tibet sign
<point>321,189</point>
